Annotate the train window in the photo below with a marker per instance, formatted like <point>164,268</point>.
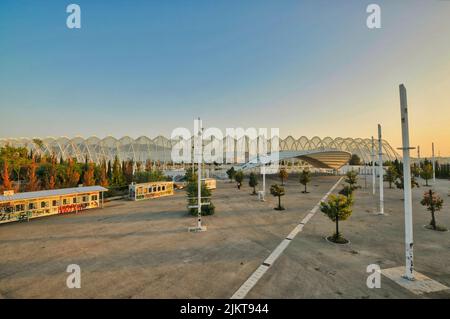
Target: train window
<point>94,197</point>
<point>20,207</point>
<point>164,188</point>
<point>31,206</point>
<point>74,200</point>
<point>154,188</point>
<point>149,189</point>
<point>54,203</point>
<point>65,201</point>
<point>43,204</point>
<point>159,188</point>
<point>85,199</point>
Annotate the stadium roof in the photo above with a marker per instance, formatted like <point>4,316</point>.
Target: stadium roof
<point>159,148</point>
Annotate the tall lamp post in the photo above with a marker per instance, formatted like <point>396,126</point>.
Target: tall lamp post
<point>199,149</point>
<point>373,167</point>
<point>380,170</point>
<point>409,269</point>
<point>434,164</point>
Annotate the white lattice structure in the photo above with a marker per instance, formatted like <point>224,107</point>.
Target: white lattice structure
<point>159,148</point>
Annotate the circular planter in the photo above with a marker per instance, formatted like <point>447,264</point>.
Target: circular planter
<point>339,244</point>
<point>428,227</point>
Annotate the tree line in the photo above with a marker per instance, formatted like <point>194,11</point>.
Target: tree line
<point>23,171</point>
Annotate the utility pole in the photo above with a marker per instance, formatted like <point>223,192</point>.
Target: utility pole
<point>418,153</point>
<point>380,169</point>
<point>434,164</point>
<point>373,167</point>
<point>409,268</point>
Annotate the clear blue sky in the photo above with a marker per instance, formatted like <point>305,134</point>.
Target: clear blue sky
<point>145,67</point>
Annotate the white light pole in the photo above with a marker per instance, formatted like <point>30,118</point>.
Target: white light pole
<point>380,170</point>
<point>263,171</point>
<point>373,167</point>
<point>434,164</point>
<point>199,173</point>
<point>199,151</point>
<point>409,268</point>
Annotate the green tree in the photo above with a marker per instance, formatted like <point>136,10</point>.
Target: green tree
<point>351,178</point>
<point>391,175</point>
<point>239,177</point>
<point>6,182</point>
<point>128,171</point>
<point>354,160</point>
<point>305,178</point>
<point>277,191</point>
<point>337,208</point>
<point>231,173</point>
<point>109,171</point>
<point>192,198</point>
<point>32,181</point>
<point>283,174</point>
<point>103,174</point>
<point>434,204</point>
<point>88,176</point>
<point>399,181</point>
<point>72,176</point>
<point>253,182</point>
<point>427,172</point>
<point>117,173</point>
<point>152,176</point>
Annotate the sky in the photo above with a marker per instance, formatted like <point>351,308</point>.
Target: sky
<point>309,68</point>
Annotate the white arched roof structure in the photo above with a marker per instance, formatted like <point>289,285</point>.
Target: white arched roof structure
<point>159,148</point>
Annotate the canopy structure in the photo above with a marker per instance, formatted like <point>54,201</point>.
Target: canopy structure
<point>159,148</point>
<point>322,158</point>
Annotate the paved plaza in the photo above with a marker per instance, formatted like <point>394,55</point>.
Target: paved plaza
<point>143,249</point>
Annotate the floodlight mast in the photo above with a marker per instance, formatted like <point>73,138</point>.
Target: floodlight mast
<point>199,174</point>
<point>409,267</point>
<point>199,152</point>
<point>373,167</point>
<point>380,169</point>
<point>434,164</point>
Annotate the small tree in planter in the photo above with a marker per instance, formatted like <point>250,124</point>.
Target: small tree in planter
<point>351,178</point>
<point>305,178</point>
<point>192,193</point>
<point>399,182</point>
<point>391,175</point>
<point>283,175</point>
<point>277,191</point>
<point>434,204</point>
<point>427,172</point>
<point>338,207</point>
<point>253,182</point>
<point>239,177</point>
<point>347,191</point>
<point>231,173</point>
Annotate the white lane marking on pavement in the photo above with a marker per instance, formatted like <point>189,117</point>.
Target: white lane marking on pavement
<point>261,270</point>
